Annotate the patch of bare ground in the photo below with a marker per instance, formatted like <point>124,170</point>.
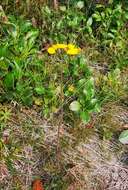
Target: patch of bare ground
<point>29,144</point>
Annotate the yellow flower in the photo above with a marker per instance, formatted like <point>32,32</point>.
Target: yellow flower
<point>54,46</point>
<point>71,88</point>
<point>73,51</point>
<point>70,49</point>
<point>70,46</point>
<point>51,50</point>
<point>60,46</point>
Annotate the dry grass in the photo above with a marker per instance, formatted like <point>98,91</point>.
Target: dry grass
<point>29,151</point>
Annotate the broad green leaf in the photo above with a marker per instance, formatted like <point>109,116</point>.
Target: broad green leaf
<point>93,101</point>
<point>89,22</point>
<point>126,15</point>
<point>85,117</point>
<point>123,138</point>
<point>4,50</point>
<point>97,16</point>
<point>9,81</point>
<point>62,8</point>
<point>80,4</point>
<point>97,108</point>
<point>89,89</point>
<point>99,6</point>
<point>75,106</point>
<point>90,83</point>
<point>31,34</point>
<point>40,90</point>
<point>81,82</point>
<point>26,97</point>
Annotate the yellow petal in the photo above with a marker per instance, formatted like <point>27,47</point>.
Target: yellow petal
<point>74,51</point>
<point>55,46</point>
<point>60,46</point>
<point>70,46</point>
<point>51,50</point>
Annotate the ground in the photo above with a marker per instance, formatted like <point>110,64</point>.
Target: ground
<point>31,152</point>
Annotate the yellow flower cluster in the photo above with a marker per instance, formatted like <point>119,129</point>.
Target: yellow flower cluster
<point>69,48</point>
<point>71,88</point>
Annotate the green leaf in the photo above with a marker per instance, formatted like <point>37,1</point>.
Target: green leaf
<point>40,90</point>
<point>80,4</point>
<point>126,15</point>
<point>4,50</point>
<point>89,89</point>
<point>123,138</point>
<point>85,117</point>
<point>97,16</point>
<point>27,97</point>
<point>47,10</point>
<point>89,22</point>
<point>62,8</point>
<point>110,35</point>
<point>93,101</point>
<point>99,6</point>
<point>97,108</point>
<point>81,82</point>
<point>75,106</point>
<point>24,93</point>
<point>9,81</point>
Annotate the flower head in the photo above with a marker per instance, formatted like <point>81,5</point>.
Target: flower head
<point>73,51</point>
<point>60,46</point>
<point>55,46</point>
<point>71,88</point>
<point>51,50</point>
<point>69,48</point>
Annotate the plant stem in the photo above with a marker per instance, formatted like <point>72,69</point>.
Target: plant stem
<point>60,121</point>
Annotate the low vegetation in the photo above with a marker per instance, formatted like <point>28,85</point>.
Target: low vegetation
<point>63,86</point>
